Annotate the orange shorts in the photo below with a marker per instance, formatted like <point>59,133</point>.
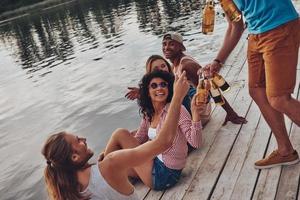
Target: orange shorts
<point>273,57</point>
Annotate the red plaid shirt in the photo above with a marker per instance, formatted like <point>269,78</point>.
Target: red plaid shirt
<point>187,131</point>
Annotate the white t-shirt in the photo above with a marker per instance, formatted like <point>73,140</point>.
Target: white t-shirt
<point>99,189</point>
<point>151,136</point>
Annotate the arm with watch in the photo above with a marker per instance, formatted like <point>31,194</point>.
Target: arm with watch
<point>232,37</point>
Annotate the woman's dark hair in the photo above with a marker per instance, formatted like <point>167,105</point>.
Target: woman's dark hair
<point>60,173</point>
<point>153,58</point>
<point>145,102</point>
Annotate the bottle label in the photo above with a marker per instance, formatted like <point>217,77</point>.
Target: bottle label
<point>231,10</point>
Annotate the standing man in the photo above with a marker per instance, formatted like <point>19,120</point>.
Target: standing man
<point>273,45</point>
<point>173,48</point>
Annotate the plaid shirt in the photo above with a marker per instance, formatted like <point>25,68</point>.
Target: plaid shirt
<point>187,131</point>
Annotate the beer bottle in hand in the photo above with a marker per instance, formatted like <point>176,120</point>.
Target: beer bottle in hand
<point>202,92</point>
<point>208,18</point>
<point>220,82</point>
<point>215,93</point>
<point>231,10</point>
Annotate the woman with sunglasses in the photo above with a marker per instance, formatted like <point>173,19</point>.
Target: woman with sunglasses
<point>157,62</point>
<point>155,91</point>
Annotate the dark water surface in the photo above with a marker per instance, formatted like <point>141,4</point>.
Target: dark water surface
<point>67,68</point>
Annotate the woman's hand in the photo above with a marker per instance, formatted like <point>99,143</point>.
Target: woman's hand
<point>197,109</point>
<point>181,85</point>
<point>133,93</point>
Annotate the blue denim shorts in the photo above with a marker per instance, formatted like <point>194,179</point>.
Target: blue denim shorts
<point>162,176</point>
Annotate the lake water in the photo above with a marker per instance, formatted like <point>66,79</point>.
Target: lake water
<point>67,68</point>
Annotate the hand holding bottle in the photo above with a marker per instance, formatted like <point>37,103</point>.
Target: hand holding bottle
<point>211,68</point>
<point>197,109</point>
<point>203,88</point>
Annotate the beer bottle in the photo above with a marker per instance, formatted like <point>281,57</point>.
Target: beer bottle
<point>231,10</point>
<point>208,18</point>
<point>220,82</point>
<point>215,93</point>
<point>202,92</point>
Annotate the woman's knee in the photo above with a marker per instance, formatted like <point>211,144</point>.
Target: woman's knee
<point>120,132</point>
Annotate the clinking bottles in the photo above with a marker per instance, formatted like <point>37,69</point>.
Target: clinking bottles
<point>220,82</point>
<point>202,91</point>
<point>231,10</point>
<point>215,93</point>
<point>208,19</point>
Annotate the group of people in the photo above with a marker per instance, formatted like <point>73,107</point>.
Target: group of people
<point>171,120</point>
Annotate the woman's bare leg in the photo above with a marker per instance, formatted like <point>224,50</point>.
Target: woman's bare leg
<point>120,139</point>
<point>123,139</point>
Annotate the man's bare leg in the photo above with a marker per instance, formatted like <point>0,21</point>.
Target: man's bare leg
<point>287,105</point>
<point>275,120</point>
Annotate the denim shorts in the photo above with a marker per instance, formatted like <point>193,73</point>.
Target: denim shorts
<point>162,176</point>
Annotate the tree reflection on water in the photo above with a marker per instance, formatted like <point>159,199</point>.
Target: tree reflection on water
<point>47,38</point>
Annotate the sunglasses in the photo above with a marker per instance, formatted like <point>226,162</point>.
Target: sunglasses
<point>161,85</point>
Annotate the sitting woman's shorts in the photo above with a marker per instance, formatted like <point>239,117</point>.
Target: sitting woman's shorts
<point>162,176</point>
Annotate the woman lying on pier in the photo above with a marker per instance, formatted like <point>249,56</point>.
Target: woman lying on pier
<point>165,169</point>
<point>69,175</point>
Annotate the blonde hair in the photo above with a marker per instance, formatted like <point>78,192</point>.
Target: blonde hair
<point>152,58</point>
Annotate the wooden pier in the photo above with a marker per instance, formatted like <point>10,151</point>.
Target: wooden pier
<point>223,167</point>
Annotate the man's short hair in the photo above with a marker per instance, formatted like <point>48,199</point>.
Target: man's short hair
<point>176,37</point>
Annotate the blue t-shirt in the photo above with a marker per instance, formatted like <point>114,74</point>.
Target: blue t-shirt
<point>265,15</point>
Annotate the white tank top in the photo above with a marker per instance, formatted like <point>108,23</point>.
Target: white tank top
<point>151,136</point>
<point>101,190</point>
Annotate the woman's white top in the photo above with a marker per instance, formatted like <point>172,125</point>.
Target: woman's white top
<point>99,189</point>
<point>151,136</point>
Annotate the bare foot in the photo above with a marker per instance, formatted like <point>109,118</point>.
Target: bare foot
<point>234,118</point>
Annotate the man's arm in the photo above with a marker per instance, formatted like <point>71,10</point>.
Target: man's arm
<point>232,37</point>
<point>191,68</point>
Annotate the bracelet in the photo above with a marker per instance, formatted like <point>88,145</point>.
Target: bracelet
<point>219,62</point>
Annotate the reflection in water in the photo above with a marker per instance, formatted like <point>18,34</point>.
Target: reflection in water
<point>46,39</point>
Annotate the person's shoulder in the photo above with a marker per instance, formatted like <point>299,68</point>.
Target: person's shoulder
<point>188,61</point>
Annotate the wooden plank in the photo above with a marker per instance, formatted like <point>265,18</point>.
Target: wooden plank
<point>217,155</point>
<point>246,181</point>
<point>290,176</point>
<point>141,189</point>
<point>238,156</point>
<point>154,195</point>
